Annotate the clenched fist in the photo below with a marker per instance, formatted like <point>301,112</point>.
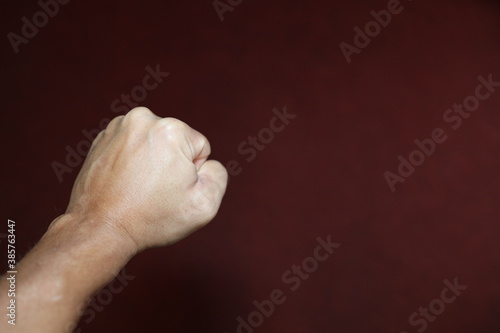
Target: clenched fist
<point>146,182</point>
<point>149,180</point>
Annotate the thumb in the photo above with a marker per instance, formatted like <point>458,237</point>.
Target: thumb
<point>209,189</point>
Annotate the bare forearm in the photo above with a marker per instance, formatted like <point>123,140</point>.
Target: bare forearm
<point>72,261</point>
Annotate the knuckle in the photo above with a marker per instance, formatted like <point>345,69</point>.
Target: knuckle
<point>172,127</point>
<point>141,110</point>
<point>201,139</point>
<point>200,210</point>
<point>206,207</point>
<point>113,124</point>
<point>98,138</point>
<point>138,114</point>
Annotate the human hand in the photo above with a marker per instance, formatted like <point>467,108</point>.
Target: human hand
<point>148,180</point>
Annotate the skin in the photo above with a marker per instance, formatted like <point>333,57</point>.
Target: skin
<point>146,182</point>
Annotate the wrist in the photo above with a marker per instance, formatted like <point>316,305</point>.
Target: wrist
<point>87,240</point>
<point>75,258</point>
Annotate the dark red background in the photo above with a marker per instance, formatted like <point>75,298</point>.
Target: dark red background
<point>322,175</point>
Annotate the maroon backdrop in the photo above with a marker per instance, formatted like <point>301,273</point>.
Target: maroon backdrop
<point>322,175</point>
